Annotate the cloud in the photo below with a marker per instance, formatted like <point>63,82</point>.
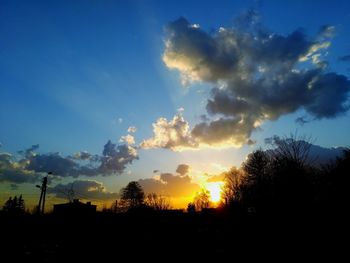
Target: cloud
<point>257,75</point>
<point>132,129</point>
<point>83,189</point>
<point>180,185</point>
<point>113,160</point>
<point>183,169</point>
<point>83,155</point>
<point>116,157</point>
<point>217,178</point>
<point>173,134</point>
<point>128,139</point>
<point>52,162</point>
<point>31,166</point>
<point>13,171</point>
<point>169,184</point>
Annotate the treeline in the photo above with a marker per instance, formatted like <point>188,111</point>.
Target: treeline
<point>287,180</point>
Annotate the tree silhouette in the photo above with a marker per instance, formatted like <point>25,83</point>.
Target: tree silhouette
<point>232,189</point>
<point>157,202</point>
<point>191,208</point>
<point>332,189</point>
<point>202,200</point>
<point>294,148</point>
<point>15,205</point>
<point>132,196</point>
<point>256,182</point>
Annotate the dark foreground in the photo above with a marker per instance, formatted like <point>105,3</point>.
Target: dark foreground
<point>162,236</point>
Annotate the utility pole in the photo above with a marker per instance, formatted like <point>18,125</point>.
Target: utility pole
<point>43,187</point>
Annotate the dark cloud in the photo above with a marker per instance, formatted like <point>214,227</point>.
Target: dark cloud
<point>183,169</point>
<point>258,75</point>
<point>30,167</point>
<point>114,160</point>
<point>52,162</point>
<point>83,189</point>
<point>116,157</point>
<point>13,171</point>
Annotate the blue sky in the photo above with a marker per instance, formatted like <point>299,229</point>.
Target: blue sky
<point>75,74</point>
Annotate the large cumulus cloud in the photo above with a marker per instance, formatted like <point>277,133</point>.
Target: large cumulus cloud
<point>257,75</point>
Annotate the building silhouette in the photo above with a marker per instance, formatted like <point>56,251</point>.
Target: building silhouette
<point>76,208</point>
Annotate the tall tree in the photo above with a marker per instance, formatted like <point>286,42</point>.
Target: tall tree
<point>232,189</point>
<point>132,196</point>
<point>15,205</point>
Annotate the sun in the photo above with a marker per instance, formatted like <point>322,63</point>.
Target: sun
<point>215,189</point>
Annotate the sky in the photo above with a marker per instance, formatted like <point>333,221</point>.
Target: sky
<point>167,93</point>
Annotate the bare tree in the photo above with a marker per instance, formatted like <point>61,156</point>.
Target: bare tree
<point>294,148</point>
<point>157,202</point>
<point>231,191</point>
<point>202,200</point>
<point>256,165</point>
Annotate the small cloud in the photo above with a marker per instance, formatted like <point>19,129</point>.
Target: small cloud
<point>216,178</point>
<point>251,142</point>
<point>180,110</point>
<point>183,169</point>
<point>327,31</point>
<point>302,120</point>
<point>120,120</point>
<point>128,139</point>
<point>132,129</point>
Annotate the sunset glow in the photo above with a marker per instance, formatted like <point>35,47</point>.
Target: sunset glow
<point>215,190</point>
